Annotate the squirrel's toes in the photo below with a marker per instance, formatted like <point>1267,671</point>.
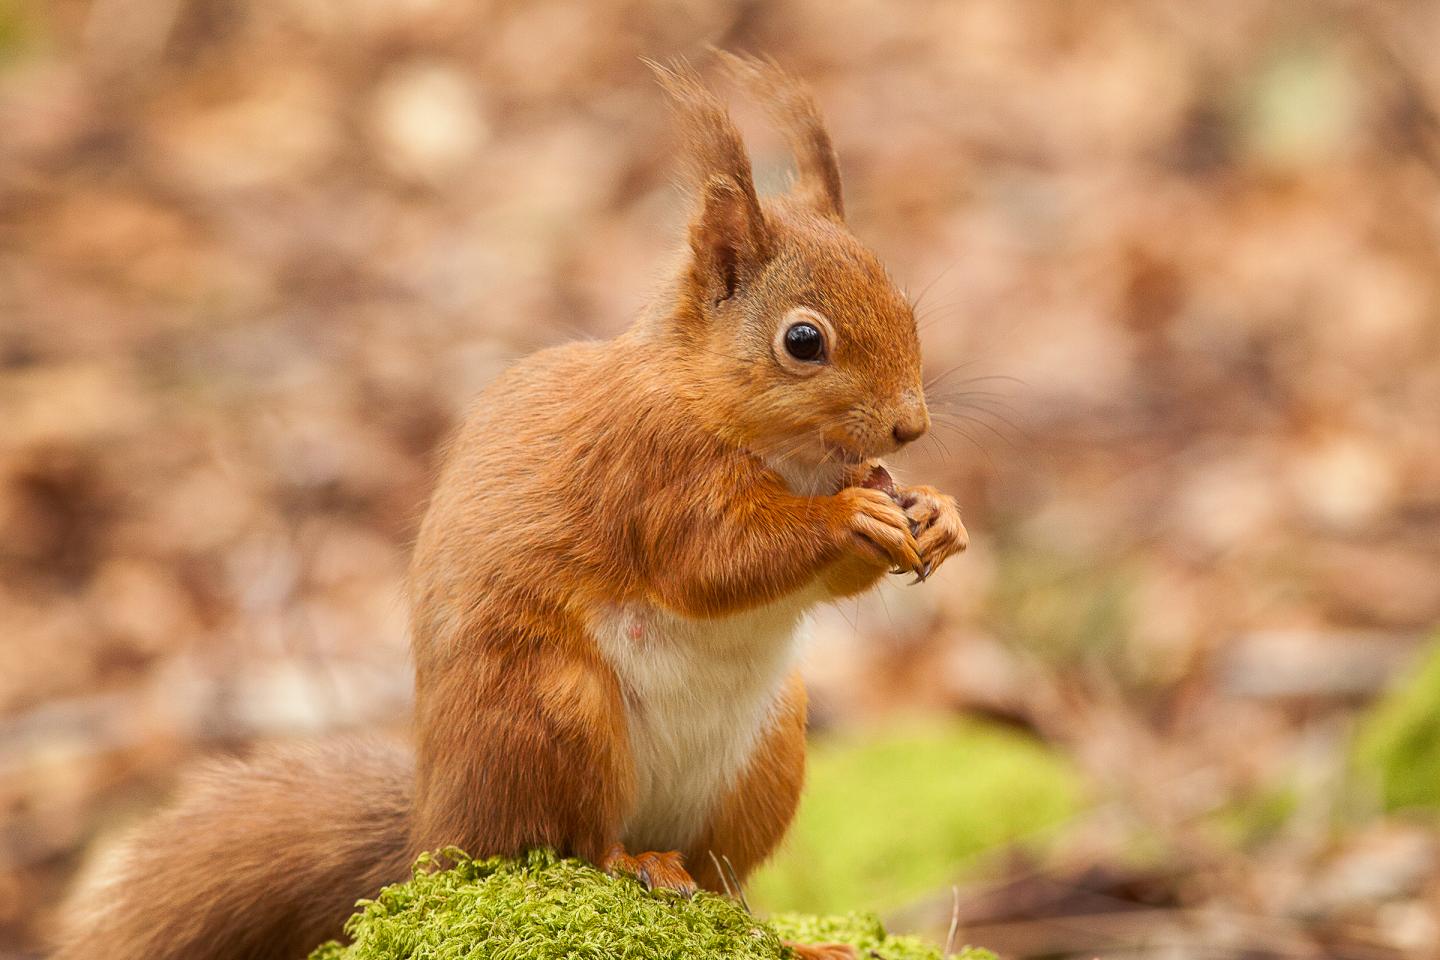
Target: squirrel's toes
<point>656,870</point>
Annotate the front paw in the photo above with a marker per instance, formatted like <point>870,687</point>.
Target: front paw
<point>936,524</point>
<point>877,527</point>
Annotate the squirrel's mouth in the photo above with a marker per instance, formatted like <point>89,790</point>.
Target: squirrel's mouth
<point>841,453</point>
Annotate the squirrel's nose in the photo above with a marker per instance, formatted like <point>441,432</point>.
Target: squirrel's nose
<point>910,427</point>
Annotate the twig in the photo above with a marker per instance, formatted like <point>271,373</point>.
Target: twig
<point>954,919</point>
<point>721,871</point>
<point>739,890</point>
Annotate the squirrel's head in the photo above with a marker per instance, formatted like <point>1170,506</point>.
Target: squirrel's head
<point>790,330</point>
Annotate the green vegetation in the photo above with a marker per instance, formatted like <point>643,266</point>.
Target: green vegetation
<point>889,818</point>
<point>867,935</point>
<point>546,908</point>
<point>1399,742</point>
<point>16,29</point>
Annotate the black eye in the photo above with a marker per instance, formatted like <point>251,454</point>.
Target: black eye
<point>804,341</point>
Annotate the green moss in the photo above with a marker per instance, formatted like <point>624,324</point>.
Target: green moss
<point>867,935</point>
<point>892,816</point>
<point>542,907</point>
<point>1399,742</point>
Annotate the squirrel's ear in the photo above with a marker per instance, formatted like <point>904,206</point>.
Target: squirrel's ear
<point>727,238</point>
<point>795,112</point>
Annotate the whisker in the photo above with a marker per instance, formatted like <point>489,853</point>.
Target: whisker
<point>944,448</point>
<point>971,437</point>
<point>925,291</point>
<point>970,380</point>
<point>935,380</point>
<point>991,411</point>
<point>1008,442</point>
<point>989,396</point>
<point>935,312</point>
<point>885,605</point>
<point>966,393</point>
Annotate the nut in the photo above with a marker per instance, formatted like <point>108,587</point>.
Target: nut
<point>879,479</point>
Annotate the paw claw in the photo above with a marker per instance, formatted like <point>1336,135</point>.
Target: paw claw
<point>881,526</point>
<point>941,533</point>
<point>654,870</point>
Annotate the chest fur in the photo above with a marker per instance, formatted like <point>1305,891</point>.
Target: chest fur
<point>699,694</point>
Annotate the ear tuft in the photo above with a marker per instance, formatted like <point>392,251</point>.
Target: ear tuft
<point>729,236</point>
<point>712,144</point>
<point>795,112</point>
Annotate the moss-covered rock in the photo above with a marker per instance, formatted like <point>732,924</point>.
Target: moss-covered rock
<point>546,908</point>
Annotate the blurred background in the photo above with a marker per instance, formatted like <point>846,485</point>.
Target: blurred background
<point>1177,272</point>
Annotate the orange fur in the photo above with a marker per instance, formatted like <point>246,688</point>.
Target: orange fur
<point>258,859</point>
<point>609,514</point>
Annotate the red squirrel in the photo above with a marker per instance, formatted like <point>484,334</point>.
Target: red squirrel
<point>605,589</point>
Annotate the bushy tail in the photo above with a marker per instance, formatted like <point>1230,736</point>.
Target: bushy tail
<point>257,859</point>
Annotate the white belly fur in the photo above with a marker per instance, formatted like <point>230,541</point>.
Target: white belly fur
<point>698,696</point>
